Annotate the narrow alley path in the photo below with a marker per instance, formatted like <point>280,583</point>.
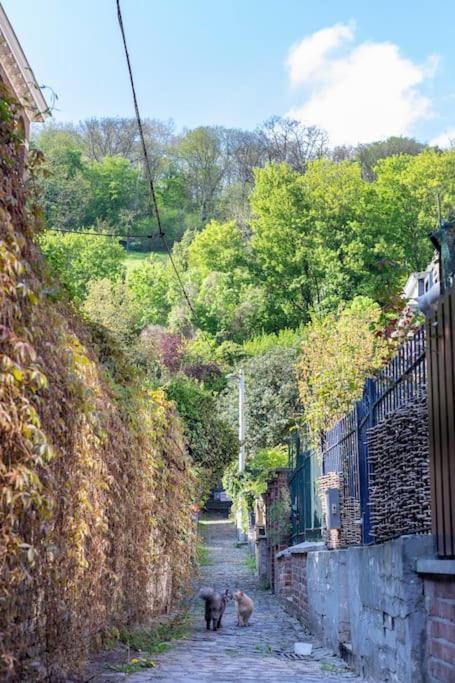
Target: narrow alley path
<point>240,654</point>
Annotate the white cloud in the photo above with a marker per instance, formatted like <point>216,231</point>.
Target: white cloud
<point>305,59</point>
<point>445,140</point>
<point>362,93</point>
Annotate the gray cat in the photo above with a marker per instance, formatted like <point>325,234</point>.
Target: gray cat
<point>215,604</point>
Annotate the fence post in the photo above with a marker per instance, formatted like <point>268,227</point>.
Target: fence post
<point>365,422</point>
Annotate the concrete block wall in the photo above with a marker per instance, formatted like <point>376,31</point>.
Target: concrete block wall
<point>387,613</point>
<point>368,601</point>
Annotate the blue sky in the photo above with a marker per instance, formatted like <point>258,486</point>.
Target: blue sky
<point>362,70</point>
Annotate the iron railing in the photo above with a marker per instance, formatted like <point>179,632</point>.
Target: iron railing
<point>344,448</point>
<point>305,502</point>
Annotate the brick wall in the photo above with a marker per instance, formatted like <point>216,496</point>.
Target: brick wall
<point>440,604</point>
<point>278,531</point>
<point>291,584</point>
<point>370,602</point>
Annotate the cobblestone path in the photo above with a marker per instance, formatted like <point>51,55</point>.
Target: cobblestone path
<point>240,654</point>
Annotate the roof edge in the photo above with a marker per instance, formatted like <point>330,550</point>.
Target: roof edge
<point>35,102</point>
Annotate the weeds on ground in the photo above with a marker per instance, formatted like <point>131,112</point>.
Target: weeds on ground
<point>263,585</point>
<point>150,640</point>
<point>202,555</point>
<point>156,638</point>
<point>328,666</point>
<point>264,649</point>
<point>135,664</point>
<point>250,562</point>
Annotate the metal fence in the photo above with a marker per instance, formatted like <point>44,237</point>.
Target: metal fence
<point>305,502</point>
<point>345,448</point>
<point>441,398</point>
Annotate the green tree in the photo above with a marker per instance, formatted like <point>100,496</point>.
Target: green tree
<point>78,258</point>
<point>211,441</point>
<point>272,401</point>
<point>115,187</point>
<point>148,287</point>
<point>309,232</point>
<point>109,303</point>
<point>369,154</point>
<point>283,245</point>
<point>402,210</point>
<point>219,247</point>
<point>339,350</point>
<point>65,188</point>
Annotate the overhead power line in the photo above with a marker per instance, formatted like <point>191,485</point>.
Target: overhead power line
<point>146,159</point>
<point>105,234</point>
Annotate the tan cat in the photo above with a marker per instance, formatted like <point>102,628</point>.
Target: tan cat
<point>244,607</point>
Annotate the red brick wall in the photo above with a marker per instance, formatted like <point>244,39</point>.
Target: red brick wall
<point>291,584</point>
<point>275,487</point>
<point>440,602</point>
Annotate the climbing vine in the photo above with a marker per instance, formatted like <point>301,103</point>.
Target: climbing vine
<point>96,485</point>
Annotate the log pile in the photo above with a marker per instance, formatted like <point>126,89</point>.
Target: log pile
<point>350,531</point>
<point>399,472</point>
<point>332,480</point>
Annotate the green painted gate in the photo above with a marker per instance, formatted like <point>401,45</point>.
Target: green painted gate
<point>305,502</point>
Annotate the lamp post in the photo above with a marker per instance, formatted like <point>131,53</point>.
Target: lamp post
<point>240,377</point>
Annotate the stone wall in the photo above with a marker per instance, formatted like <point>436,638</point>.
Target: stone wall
<point>367,602</point>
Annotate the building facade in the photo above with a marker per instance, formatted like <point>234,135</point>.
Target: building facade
<point>17,76</point>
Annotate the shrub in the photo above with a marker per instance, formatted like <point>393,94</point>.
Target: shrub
<point>211,441</point>
<point>339,351</point>
<point>76,259</point>
<point>272,401</point>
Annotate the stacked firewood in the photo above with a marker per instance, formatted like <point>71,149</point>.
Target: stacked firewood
<point>399,472</point>
<point>350,530</point>
<point>332,480</point>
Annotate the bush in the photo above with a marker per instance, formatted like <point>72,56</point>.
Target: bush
<point>272,401</point>
<point>244,487</point>
<point>76,259</point>
<point>339,351</point>
<point>211,441</point>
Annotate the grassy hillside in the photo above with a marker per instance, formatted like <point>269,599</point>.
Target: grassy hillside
<point>135,258</point>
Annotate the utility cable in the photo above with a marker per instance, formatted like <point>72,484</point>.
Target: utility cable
<point>104,234</point>
<point>146,159</point>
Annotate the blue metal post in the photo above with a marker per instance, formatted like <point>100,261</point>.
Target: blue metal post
<point>365,422</point>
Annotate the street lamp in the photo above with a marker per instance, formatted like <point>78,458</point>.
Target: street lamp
<point>241,382</point>
<point>242,456</point>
